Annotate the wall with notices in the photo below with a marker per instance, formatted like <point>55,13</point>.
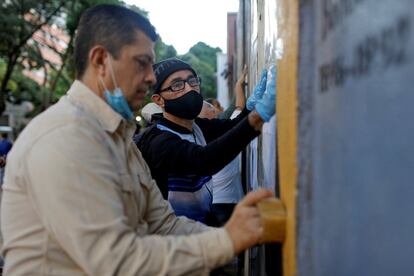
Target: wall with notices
<point>257,46</point>
<point>340,153</point>
<point>356,142</point>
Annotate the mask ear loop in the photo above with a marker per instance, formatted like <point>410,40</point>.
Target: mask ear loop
<point>112,72</point>
<point>103,83</point>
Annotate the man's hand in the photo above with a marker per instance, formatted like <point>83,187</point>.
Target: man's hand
<point>242,79</point>
<point>244,226</point>
<point>239,88</point>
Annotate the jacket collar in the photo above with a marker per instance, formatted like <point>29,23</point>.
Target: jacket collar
<point>171,125</point>
<point>91,102</point>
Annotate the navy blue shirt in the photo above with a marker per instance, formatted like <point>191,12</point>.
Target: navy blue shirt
<point>5,147</point>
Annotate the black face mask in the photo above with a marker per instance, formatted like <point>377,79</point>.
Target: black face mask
<point>187,106</point>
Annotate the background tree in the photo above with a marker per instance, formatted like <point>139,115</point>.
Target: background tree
<point>25,33</point>
<point>19,20</point>
<point>203,58</point>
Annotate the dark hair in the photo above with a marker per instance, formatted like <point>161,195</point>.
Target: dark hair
<point>111,26</point>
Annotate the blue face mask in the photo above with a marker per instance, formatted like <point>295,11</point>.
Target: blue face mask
<point>116,99</point>
<point>118,103</point>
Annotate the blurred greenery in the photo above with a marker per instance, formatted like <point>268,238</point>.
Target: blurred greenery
<point>203,59</point>
<point>21,19</point>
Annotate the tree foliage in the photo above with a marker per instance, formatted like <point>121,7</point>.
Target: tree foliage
<point>20,23</point>
<point>164,51</point>
<point>21,20</point>
<point>205,53</point>
<point>203,58</point>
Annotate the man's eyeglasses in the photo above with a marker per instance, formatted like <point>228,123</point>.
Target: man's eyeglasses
<point>179,85</point>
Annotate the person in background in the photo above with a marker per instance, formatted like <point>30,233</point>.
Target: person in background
<point>183,151</point>
<point>227,186</point>
<point>219,109</point>
<point>233,105</point>
<point>146,113</point>
<point>5,147</point>
<point>148,110</point>
<point>208,111</point>
<point>78,198</point>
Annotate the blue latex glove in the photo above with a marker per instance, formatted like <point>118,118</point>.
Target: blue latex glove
<point>258,91</point>
<point>266,105</point>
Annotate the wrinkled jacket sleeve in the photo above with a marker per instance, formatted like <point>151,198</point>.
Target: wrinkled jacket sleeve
<point>81,207</point>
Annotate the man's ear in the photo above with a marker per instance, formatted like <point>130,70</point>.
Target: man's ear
<point>98,60</point>
<point>156,98</point>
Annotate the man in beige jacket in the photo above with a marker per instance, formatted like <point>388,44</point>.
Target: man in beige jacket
<point>78,197</point>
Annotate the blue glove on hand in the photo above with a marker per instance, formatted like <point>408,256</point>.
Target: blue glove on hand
<point>266,105</point>
<point>258,91</point>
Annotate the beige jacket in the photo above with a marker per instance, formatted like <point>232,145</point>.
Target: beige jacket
<point>78,199</point>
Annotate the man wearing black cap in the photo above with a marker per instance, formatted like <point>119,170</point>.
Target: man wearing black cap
<point>184,151</point>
